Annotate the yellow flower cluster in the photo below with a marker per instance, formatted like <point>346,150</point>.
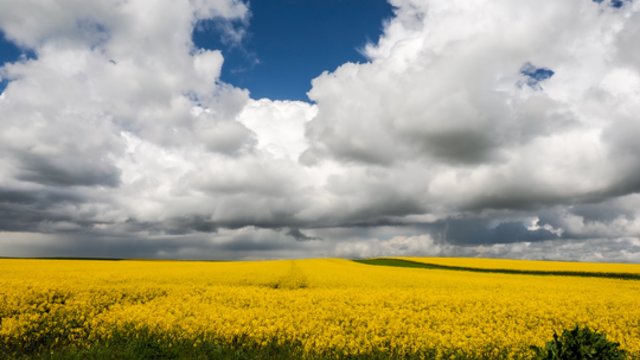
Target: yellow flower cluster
<point>329,307</point>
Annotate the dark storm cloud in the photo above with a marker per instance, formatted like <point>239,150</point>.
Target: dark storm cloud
<point>474,231</point>
<point>114,245</point>
<point>300,236</point>
<point>76,170</point>
<point>245,244</point>
<point>517,197</point>
<point>43,198</point>
<point>121,242</point>
<point>183,225</point>
<point>19,218</point>
<point>27,210</point>
<point>602,212</point>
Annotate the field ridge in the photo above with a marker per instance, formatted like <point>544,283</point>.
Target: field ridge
<point>427,265</point>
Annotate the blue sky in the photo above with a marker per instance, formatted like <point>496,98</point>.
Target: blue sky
<point>289,42</point>
<point>8,53</point>
<point>8,50</point>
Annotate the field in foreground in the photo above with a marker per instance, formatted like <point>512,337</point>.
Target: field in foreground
<point>326,308</point>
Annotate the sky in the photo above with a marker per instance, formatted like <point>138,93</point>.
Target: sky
<point>284,44</point>
<point>223,129</point>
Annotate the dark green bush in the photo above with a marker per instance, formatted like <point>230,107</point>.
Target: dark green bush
<point>579,344</point>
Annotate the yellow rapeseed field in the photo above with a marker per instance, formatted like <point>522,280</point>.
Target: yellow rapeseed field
<point>327,307</point>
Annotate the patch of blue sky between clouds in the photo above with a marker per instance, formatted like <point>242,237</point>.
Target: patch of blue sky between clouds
<point>533,75</point>
<point>3,84</point>
<point>9,53</point>
<point>614,3</point>
<point>286,43</point>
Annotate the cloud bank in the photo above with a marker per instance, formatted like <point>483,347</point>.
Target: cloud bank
<point>492,128</point>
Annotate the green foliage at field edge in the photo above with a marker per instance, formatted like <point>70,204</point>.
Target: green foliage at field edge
<point>424,265</point>
<point>579,343</point>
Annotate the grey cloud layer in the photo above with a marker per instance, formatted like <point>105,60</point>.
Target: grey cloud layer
<point>119,139</point>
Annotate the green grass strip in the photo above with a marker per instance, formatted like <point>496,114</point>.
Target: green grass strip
<point>416,264</point>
